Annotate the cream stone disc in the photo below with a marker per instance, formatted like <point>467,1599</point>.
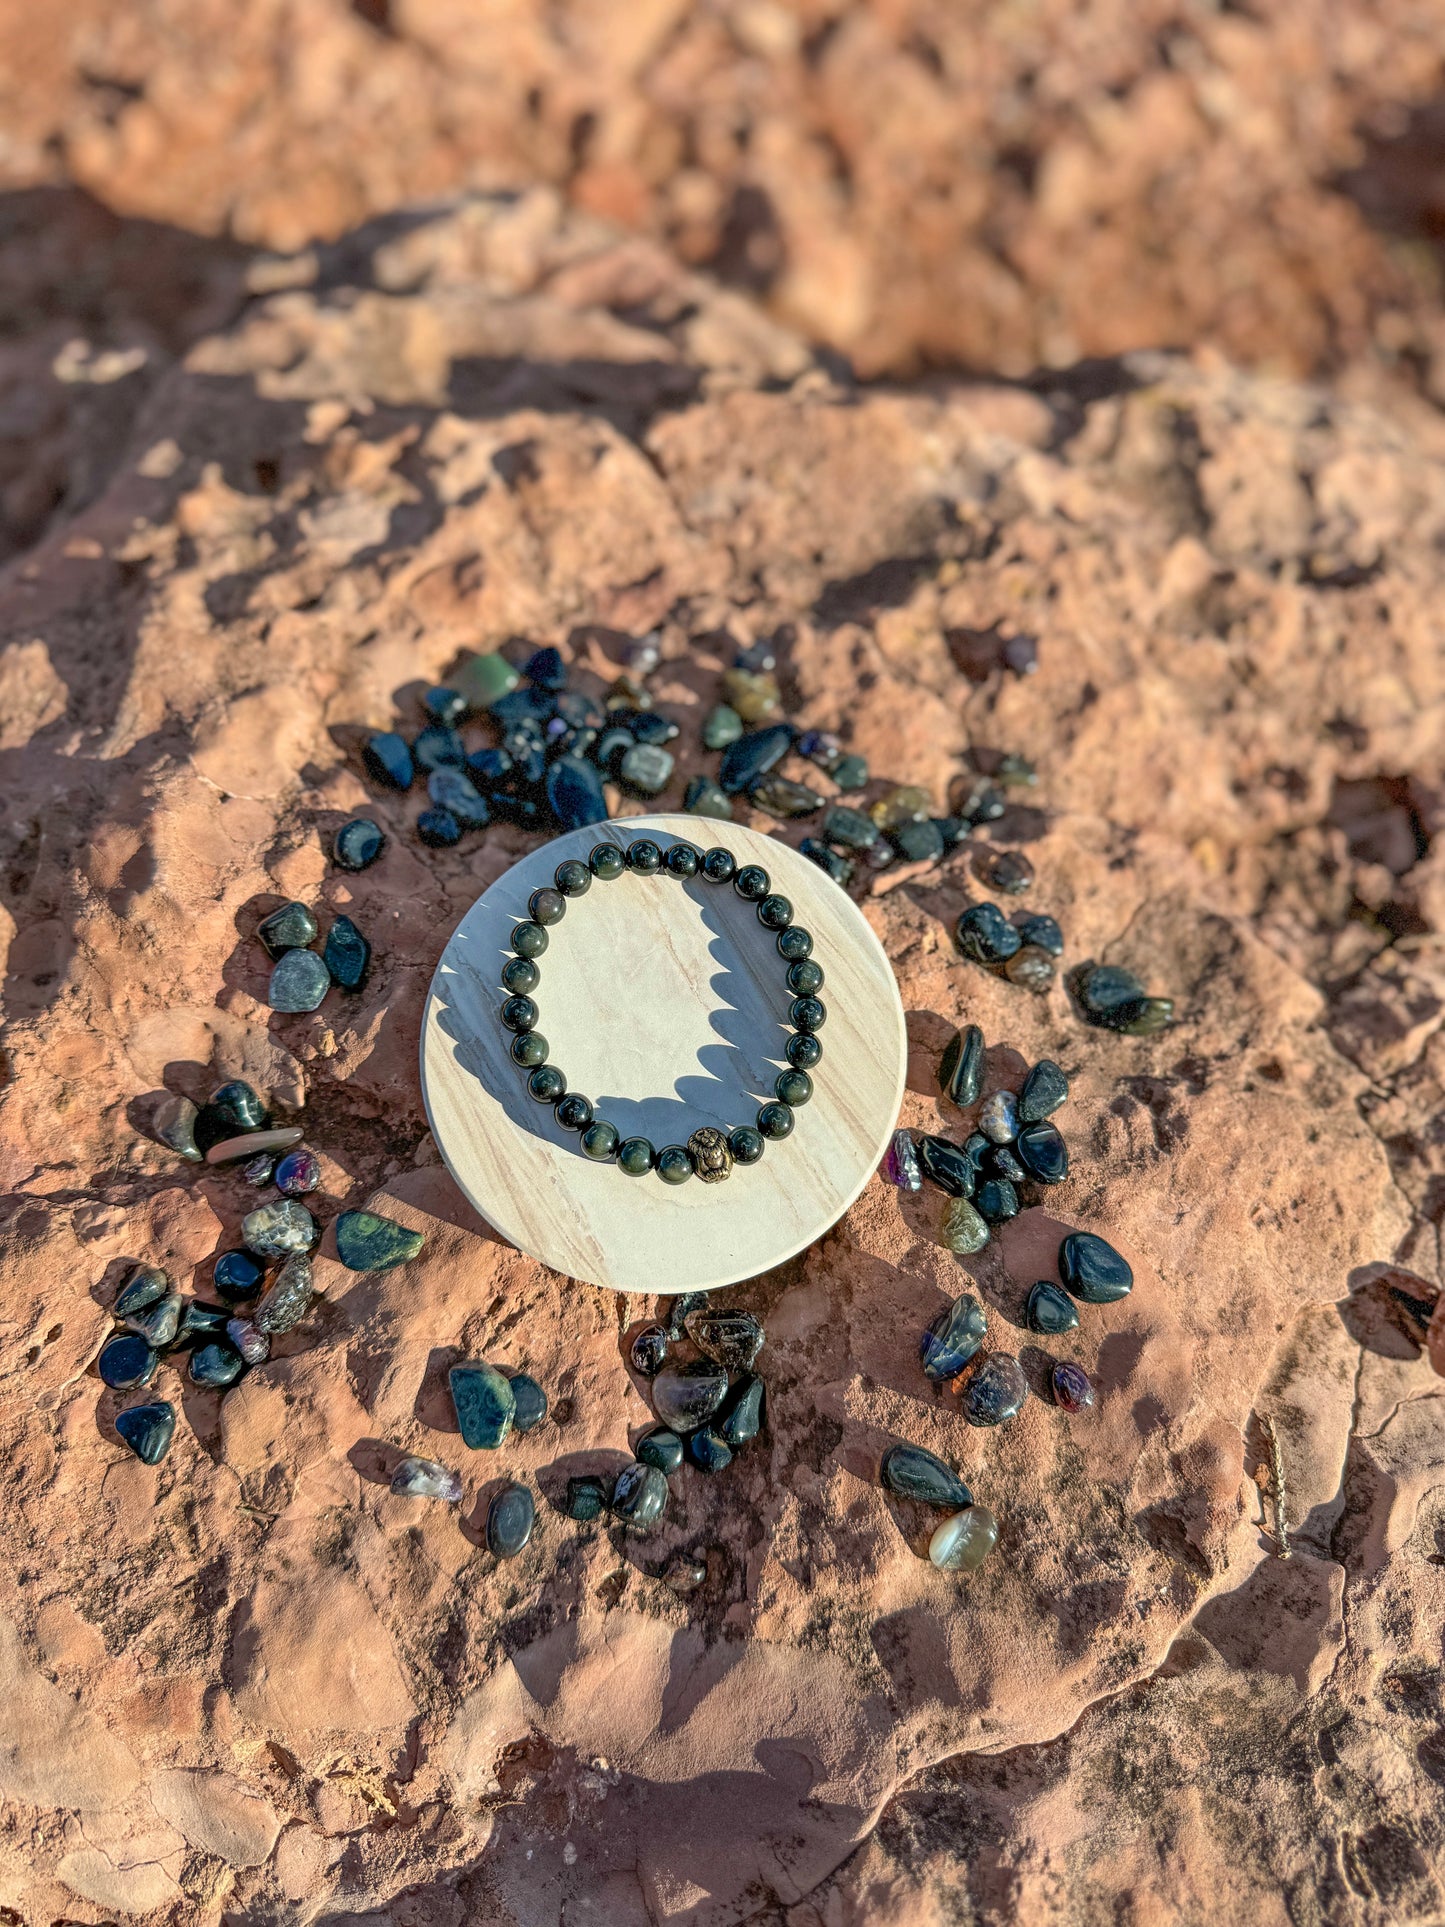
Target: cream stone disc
<point>666,1004</point>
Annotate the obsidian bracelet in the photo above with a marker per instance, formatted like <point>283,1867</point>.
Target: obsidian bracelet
<point>709,1153</point>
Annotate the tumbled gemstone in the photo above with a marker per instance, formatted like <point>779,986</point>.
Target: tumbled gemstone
<point>820,747</point>
<point>962,1229</point>
<point>741,1416</point>
<point>721,727</point>
<point>915,1474</point>
<point>986,804</point>
<point>849,828</point>
<point>704,797</point>
<point>452,789</point>
<point>587,1497</point>
<point>574,793</point>
<point>900,1163</point>
<point>649,1350</point>
<point>173,1124</point>
<point>661,1448</point>
<point>954,830</point>
<point>231,1150</point>
<point>510,1518</point>
<point>955,1335</point>
<point>1092,1270</point>
<point>1071,1386</point>
<point>985,934</point>
<point>148,1429</point>
<point>546,669</point>
<point>745,1144</point>
<point>996,1391</point>
<point>438,746</point>
<point>636,1156</point>
<point>1015,771</point>
<point>881,855</point>
<point>906,804</point>
<point>146,1285</point>
<point>998,1117</point>
<point>1007,870</point>
<point>525,709</point>
<point>753,755</point>
<point>425,1479</point>
<point>574,1112</point>
<point>685,1573</point>
<point>610,748</point>
<point>674,1164</point>
<point>529,1401</point>
<point>775,1120</point>
<point>962,1543</point>
<point>490,767</point>
<point>530,1049</point>
<point>639,1496</point>
<point>1000,1162</point>
<point>837,867</point>
<point>1043,933</point>
<point>1043,1153</point>
<point>389,760</point>
<point>299,982</point>
<point>652,727</point>
<point>683,860</point>
<point>1030,968</point>
<point>947,1165</point>
<point>438,828</point>
<point>1045,1089</point>
<point>918,842</point>
<point>484,680</point>
<point>996,1200</point>
<point>646,769</point>
<point>708,1449</point>
<point>297,1173</point>
<point>960,1073</point>
<point>257,1170</point>
<point>200,1323</point>
<point>780,796</point>
<point>291,927</point>
<point>288,1298</point>
<point>600,1141</point>
<point>850,772</point>
<point>157,1324</point>
<point>275,1230</point>
<point>754,695</point>
<point>686,1396</point>
<point>368,1242</point>
<point>249,1340</point>
<point>216,1365</point>
<point>358,843</point>
<point>1049,1310</point>
<point>728,1334</point>
<point>1152,1015</point>
<point>444,705</point>
<point>484,1403</point>
<point>673,1315</point>
<point>644,858</point>
<point>1106,990</point>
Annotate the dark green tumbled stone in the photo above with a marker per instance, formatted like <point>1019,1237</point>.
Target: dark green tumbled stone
<point>708,1449</point>
<point>661,1448</point>
<point>996,1201</point>
<point>746,1144</point>
<point>358,844</point>
<point>547,1083</point>
<point>1045,1089</point>
<point>606,862</point>
<point>146,1286</point>
<point>775,1120</point>
<point>948,1166</point>
<point>148,1430</point>
<point>686,1396</point>
<point>484,1403</point>
<point>807,1013</point>
<point>775,912</point>
<point>587,1497</point>
<point>719,865</point>
<point>984,934</point>
<point>1050,1310</point>
<point>743,1411</point>
<point>837,867</point>
<point>299,982</point>
<point>794,943</point>
<point>519,1013</point>
<point>996,1391</point>
<point>752,883</point>
<point>952,1339</point>
<point>960,1074</point>
<point>292,927</point>
<point>727,1334</point>
<point>639,1496</point>
<point>347,954</point>
<point>529,940</point>
<point>547,906</point>
<point>520,976</point>
<point>704,797</point>
<point>915,1474</point>
<point>644,858</point>
<point>780,796</point>
<point>126,1361</point>
<point>510,1518</point>
<point>721,727</point>
<point>1152,1015</point>
<point>1043,1153</point>
<point>530,1049</point>
<point>216,1366</point>
<point>1092,1270</point>
<point>674,1164</point>
<point>529,1400</point>
<point>803,1050</point>
<point>574,1111</point>
<point>850,829</point>
<point>573,878</point>
<point>367,1242</point>
<point>793,1088</point>
<point>805,977</point>
<point>636,1156</point>
<point>600,1141</point>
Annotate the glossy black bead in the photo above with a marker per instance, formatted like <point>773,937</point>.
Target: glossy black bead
<point>953,1338</point>
<point>803,1050</point>
<point>1042,1152</point>
<point>520,976</point>
<point>606,862</point>
<point>948,1165</point>
<point>600,1141</point>
<point>1050,1310</point>
<point>837,867</point>
<point>237,1275</point>
<point>1045,1089</point>
<point>529,940</point>
<point>649,1352</point>
<point>960,1074</point>
<point>794,943</point>
<point>547,1083</point>
<point>636,1156</point>
<point>746,1144</point>
<point>574,793</point>
<point>996,1200</point>
<point>752,755</point>
<point>644,858</point>
<point>775,912</point>
<point>125,1361</point>
<point>148,1429</point>
<point>520,1013</point>
<point>1092,1270</point>
<point>662,1448</point>
<point>548,906</point>
<point>358,843</point>
<point>984,934</point>
<point>719,865</point>
<point>574,1112</point>
<point>530,1049</point>
<point>793,1088</point>
<point>807,1013</point>
<point>1042,932</point>
<point>510,1518</point>
<point>743,1411</point>
<point>752,883</point>
<point>708,1449</point>
<point>775,1120</point>
<point>915,1474</point>
<point>683,860</point>
<point>805,977</point>
<point>546,669</point>
<point>438,746</point>
<point>439,829</point>
<point>388,759</point>
<point>674,1164</point>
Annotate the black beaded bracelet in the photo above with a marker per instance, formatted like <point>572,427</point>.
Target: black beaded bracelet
<point>709,1153</point>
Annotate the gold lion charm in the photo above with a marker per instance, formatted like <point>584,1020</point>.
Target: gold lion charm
<point>710,1154</point>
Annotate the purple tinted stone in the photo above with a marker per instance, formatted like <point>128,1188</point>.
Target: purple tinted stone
<point>249,1340</point>
<point>298,1172</point>
<point>259,1170</point>
<point>1072,1389</point>
<point>900,1163</point>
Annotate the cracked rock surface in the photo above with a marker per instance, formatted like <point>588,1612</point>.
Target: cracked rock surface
<point>252,1684</point>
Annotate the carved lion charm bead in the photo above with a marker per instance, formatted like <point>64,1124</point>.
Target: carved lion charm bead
<point>711,1158</point>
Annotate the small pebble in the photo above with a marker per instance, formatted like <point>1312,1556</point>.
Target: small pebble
<point>388,759</point>
<point>126,1361</point>
<point>1043,1153</point>
<point>201,1323</point>
<point>438,746</point>
<point>1045,1089</point>
<point>299,982</point>
<point>1092,1270</point>
<point>947,1165</point>
<point>529,1402</point>
<point>986,936</point>
<point>546,669</point>
<point>146,1285</point>
<point>708,1449</point>
<point>444,705</point>
<point>837,867</point>
<point>779,796</point>
<point>908,804</point>
<point>996,1390</point>
<point>955,1335</point>
<point>291,927</point>
<point>588,1496</point>
<point>485,679</point>
<point>960,1072</point>
<point>1015,771</point>
<point>1043,933</point>
<point>918,842</point>
<point>1007,870</point>
<point>358,844</point>
<point>288,1298</point>
<point>732,1337</point>
<point>753,755</point>
<point>900,1163</point>
<point>253,1144</point>
<point>1001,1163</point>
<point>230,1110</point>
<point>913,1473</point>
<point>452,789</point>
<point>742,1414</point>
<point>484,1403</point>
<point>438,829</point>
<point>158,1323</point>
<point>276,1230</point>
<point>173,1124</point>
<point>249,1340</point>
<point>722,727</point>
<point>962,1228</point>
<point>148,1429</point>
<point>997,1200</point>
<point>425,1479</point>
<point>685,1574</point>
<point>1153,1015</point>
<point>367,1242</point>
<point>1071,1386</point>
<point>297,1173</point>
<point>704,797</point>
<point>850,829</point>
<point>820,747</point>
<point>1031,969</point>
<point>850,772</point>
<point>237,1275</point>
<point>649,1351</point>
<point>258,1171</point>
<point>510,1518</point>
<point>347,954</point>
<point>1110,995</point>
<point>646,769</point>
<point>686,1396</point>
<point>661,1448</point>
<point>1050,1310</point>
<point>639,1496</point>
<point>216,1365</point>
<point>962,1543</point>
<point>998,1117</point>
<point>755,696</point>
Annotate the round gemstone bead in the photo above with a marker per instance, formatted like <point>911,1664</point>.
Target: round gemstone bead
<point>795,942</point>
<point>683,860</point>
<point>529,1048</point>
<point>529,939</point>
<point>547,1084</point>
<point>644,857</point>
<point>520,1013</point>
<point>775,912</point>
<point>807,1013</point>
<point>803,1050</point>
<point>573,879</point>
<point>547,906</point>
<point>746,1144</point>
<point>520,977</point>
<point>719,865</point>
<point>793,1088</point>
<point>674,1164</point>
<point>636,1156</point>
<point>600,1141</point>
<point>574,1112</point>
<point>775,1120</point>
<point>752,883</point>
<point>606,862</point>
<point>805,977</point>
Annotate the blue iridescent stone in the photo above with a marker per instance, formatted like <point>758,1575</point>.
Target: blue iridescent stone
<point>148,1429</point>
<point>358,843</point>
<point>438,828</point>
<point>485,1405</point>
<point>347,954</point>
<point>753,755</point>
<point>574,793</point>
<point>299,982</point>
<point>438,747</point>
<point>1092,1270</point>
<point>367,1242</point>
<point>952,1339</point>
<point>388,759</point>
<point>452,789</point>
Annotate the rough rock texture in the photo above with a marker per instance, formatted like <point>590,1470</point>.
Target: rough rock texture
<point>251,1684</point>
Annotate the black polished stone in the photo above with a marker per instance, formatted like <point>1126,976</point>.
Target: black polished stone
<point>674,1164</point>
<point>200,1323</point>
<point>606,862</point>
<point>752,883</point>
<point>636,1156</point>
<point>588,1497</point>
<point>237,1276</point>
<point>547,1084</point>
<point>996,1391</point>
<point>546,669</point>
<point>708,1450</point>
<point>1050,1310</point>
<point>850,829</point>
<point>683,860</point>
<point>358,844</point>
<point>644,858</point>
<point>1110,995</point>
<point>216,1365</point>
<point>753,755</point>
<point>794,943</point>
<point>526,708</point>
<point>125,1361</point>
<point>445,705</point>
<point>1000,1162</point>
<point>148,1429</point>
<point>807,1013</point>
<point>519,1013</point>
<point>574,1112</point>
<point>1007,870</point>
<point>947,1165</point>
<point>651,726</point>
<point>530,1049</point>
<point>600,1141</point>
<point>686,1396</point>
<point>996,1201</point>
<point>915,1474</point>
<point>704,797</point>
<point>574,793</point>
<point>1092,1270</point>
<point>146,1286</point>
<point>1043,1153</point>
<point>439,829</point>
<point>572,879</point>
<point>347,955</point>
<point>639,1496</point>
<point>530,1402</point>
<point>803,1050</point>
<point>918,842</point>
<point>953,1338</point>
<point>837,867</point>
<point>719,865</point>
<point>805,977</point>
<point>661,1448</point>
<point>529,939</point>
<point>548,906</point>
<point>388,759</point>
<point>610,748</point>
<point>1042,932</point>
<point>648,1351</point>
<point>1045,1089</point>
<point>452,789</point>
<point>781,797</point>
<point>960,1074</point>
<point>775,1120</point>
<point>775,912</point>
<point>438,746</point>
<point>510,1518</point>
<point>793,1087</point>
<point>520,976</point>
<point>673,1316</point>
<point>727,1334</point>
<point>743,1411</point>
<point>746,1144</point>
<point>984,934</point>
<point>491,769</point>
<point>291,927</point>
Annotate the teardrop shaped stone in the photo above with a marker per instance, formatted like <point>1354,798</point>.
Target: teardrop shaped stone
<point>484,1403</point>
<point>661,1448</point>
<point>216,1365</point>
<point>146,1285</point>
<point>148,1429</point>
<point>291,927</point>
<point>1045,1089</point>
<point>962,1543</point>
<point>358,844</point>
<point>574,793</point>
<point>587,1495</point>
<point>753,755</point>
<point>915,1474</point>
<point>997,1200</point>
<point>732,1337</point>
<point>1043,1153</point>
<point>389,760</point>
<point>953,1338</point>
<point>529,1402</point>
<point>249,1340</point>
<point>288,1300</point>
<point>900,1163</point>
<point>639,1496</point>
<point>996,1391</point>
<point>1050,1310</point>
<point>126,1361</point>
<point>998,1117</point>
<point>158,1323</point>
<point>960,1074</point>
<point>299,982</point>
<point>962,1229</point>
<point>947,1165</point>
<point>741,1417</point>
<point>368,1242</point>
<point>1092,1270</point>
<point>1071,1387</point>
<point>347,954</point>
<point>425,1479</point>
<point>686,1396</point>
<point>173,1124</point>
<point>510,1518</point>
<point>276,1230</point>
<point>708,1449</point>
